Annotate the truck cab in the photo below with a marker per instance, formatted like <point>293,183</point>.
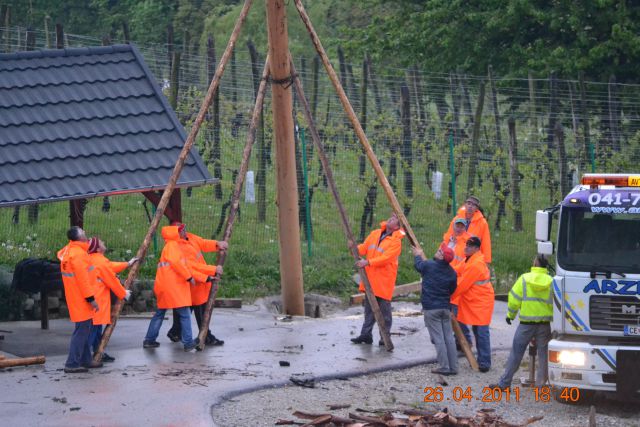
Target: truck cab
<point>596,287</point>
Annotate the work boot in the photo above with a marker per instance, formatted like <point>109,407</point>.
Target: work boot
<point>107,358</point>
<point>76,370</point>
<point>173,336</point>
<point>150,344</point>
<point>362,340</point>
<point>212,340</point>
<point>381,342</point>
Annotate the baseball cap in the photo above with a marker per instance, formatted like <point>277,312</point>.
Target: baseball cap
<point>447,253</point>
<point>460,221</point>
<point>474,241</point>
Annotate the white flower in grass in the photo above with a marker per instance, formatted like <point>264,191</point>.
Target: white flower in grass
<point>28,237</point>
<point>35,235</point>
<point>128,251</point>
<point>119,230</point>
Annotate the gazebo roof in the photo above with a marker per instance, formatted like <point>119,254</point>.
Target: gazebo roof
<point>79,123</point>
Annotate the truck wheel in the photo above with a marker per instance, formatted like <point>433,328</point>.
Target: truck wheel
<point>573,396</point>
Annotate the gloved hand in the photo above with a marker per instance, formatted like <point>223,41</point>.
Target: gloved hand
<point>192,281</point>
<point>94,304</point>
<point>127,295</point>
<point>508,321</point>
<point>133,261</point>
<point>219,270</point>
<point>222,245</point>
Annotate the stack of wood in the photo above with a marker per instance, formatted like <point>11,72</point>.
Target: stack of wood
<point>20,361</point>
<point>412,418</point>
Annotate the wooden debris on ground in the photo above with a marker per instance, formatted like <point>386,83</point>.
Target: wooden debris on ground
<point>411,418</point>
<point>21,361</point>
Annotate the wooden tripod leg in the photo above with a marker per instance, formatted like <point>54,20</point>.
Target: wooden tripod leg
<point>235,200</point>
<point>463,343</point>
<point>343,214</point>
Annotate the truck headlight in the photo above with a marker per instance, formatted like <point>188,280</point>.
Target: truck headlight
<point>568,357</point>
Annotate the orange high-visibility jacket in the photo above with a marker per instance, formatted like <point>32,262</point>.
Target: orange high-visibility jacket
<point>171,287</point>
<point>474,292</point>
<point>477,227</point>
<point>78,285</point>
<point>457,243</point>
<point>105,281</point>
<point>383,261</point>
<point>200,292</point>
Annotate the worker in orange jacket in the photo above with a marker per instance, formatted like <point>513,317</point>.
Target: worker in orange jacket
<point>174,278</point>
<point>457,242</point>
<point>476,225</point>
<point>199,292</point>
<point>79,293</point>
<point>105,281</point>
<point>475,298</point>
<point>381,249</point>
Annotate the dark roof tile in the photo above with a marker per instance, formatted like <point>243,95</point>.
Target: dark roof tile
<point>85,122</point>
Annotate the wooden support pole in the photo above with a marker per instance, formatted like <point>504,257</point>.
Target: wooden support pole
<point>22,361</point>
<point>166,195</point>
<point>351,242</point>
<point>59,36</point>
<point>235,200</point>
<point>370,154</point>
<point>287,186</point>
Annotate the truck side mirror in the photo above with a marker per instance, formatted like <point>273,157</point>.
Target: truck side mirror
<point>543,226</point>
<point>545,248</point>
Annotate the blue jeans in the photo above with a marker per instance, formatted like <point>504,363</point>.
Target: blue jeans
<point>525,332</point>
<point>483,345</point>
<point>465,329</point>
<point>185,325</point>
<point>79,351</point>
<point>95,336</point>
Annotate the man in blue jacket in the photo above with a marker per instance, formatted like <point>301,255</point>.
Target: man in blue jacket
<point>439,282</point>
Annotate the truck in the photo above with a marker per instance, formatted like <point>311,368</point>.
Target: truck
<point>595,342</point>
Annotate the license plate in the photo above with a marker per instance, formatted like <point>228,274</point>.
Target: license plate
<point>630,330</point>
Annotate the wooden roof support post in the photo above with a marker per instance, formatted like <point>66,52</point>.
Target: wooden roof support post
<point>351,242</point>
<point>369,151</point>
<point>287,186</point>
<point>164,201</point>
<point>235,199</point>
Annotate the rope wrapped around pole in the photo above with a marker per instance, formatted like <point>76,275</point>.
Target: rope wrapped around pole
<point>164,201</point>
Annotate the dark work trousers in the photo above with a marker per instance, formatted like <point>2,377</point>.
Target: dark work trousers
<point>79,350</point>
<point>198,311</point>
<point>370,320</point>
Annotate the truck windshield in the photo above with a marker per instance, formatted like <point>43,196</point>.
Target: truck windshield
<point>599,241</point>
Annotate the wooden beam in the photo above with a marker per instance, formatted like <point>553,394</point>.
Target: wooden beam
<point>291,278</point>
<point>22,361</point>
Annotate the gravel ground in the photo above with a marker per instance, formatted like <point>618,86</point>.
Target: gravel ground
<point>395,390</point>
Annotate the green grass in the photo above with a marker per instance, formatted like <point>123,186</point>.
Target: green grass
<point>252,267</point>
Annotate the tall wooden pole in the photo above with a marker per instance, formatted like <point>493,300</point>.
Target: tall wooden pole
<point>166,195</point>
<point>235,199</point>
<point>287,187</point>
<point>351,241</point>
<point>372,156</point>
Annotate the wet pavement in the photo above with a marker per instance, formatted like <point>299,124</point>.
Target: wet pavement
<point>166,386</point>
